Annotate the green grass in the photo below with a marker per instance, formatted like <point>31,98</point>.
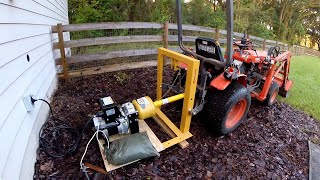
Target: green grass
<point>305,93</point>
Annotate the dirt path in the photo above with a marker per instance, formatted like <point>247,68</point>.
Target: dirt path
<point>272,144</point>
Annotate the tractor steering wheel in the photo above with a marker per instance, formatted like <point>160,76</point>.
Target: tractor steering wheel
<point>274,51</point>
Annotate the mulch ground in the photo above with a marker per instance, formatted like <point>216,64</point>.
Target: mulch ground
<point>271,144</point>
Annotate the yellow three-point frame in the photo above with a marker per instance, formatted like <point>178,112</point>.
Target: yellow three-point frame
<point>178,135</point>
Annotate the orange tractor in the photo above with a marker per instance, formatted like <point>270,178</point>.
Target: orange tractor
<point>227,83</point>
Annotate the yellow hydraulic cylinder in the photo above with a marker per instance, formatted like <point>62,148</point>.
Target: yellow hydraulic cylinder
<point>147,108</point>
<point>168,100</point>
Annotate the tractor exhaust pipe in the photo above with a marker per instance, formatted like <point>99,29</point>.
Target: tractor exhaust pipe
<point>189,52</point>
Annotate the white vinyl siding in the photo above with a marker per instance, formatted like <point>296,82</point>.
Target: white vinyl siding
<point>25,30</point>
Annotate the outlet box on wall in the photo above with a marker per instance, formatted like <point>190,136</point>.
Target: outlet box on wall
<point>28,103</point>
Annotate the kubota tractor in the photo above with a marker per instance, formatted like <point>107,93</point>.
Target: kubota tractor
<point>227,84</point>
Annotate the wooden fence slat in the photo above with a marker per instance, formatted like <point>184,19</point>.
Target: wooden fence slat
<point>239,35</point>
<point>109,40</point>
<point>217,34</point>
<point>108,25</point>
<point>256,38</point>
<point>187,27</point>
<point>113,54</point>
<point>174,38</point>
<point>111,68</point>
<point>271,41</point>
<point>110,55</point>
<point>165,34</point>
<point>62,52</point>
<point>223,32</point>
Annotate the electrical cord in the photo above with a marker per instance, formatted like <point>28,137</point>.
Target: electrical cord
<point>55,148</point>
<point>82,166</point>
<point>96,133</point>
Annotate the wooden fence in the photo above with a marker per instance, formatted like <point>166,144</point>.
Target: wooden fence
<point>167,36</point>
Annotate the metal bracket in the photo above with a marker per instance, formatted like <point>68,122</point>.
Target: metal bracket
<point>198,108</point>
<point>203,91</point>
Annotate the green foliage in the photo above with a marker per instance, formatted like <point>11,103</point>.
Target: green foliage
<point>312,23</point>
<point>84,11</point>
<point>285,20</point>
<point>122,77</point>
<point>162,11</point>
<point>198,12</point>
<point>260,30</point>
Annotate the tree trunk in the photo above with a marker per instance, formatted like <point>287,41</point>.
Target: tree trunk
<point>132,9</point>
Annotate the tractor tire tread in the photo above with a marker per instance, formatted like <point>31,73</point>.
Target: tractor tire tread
<point>219,103</point>
<point>274,86</point>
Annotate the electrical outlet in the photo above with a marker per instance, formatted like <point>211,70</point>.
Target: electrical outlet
<point>28,103</point>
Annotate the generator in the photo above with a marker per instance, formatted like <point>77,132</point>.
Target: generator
<point>116,119</point>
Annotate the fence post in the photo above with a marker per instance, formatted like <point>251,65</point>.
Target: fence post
<point>264,44</point>
<point>62,52</point>
<point>217,33</point>
<point>165,34</point>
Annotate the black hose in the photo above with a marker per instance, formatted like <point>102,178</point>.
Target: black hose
<point>55,148</point>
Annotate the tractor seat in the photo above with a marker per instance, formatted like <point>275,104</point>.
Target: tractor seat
<point>209,48</point>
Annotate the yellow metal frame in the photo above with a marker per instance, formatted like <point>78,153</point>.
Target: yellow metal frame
<point>178,135</point>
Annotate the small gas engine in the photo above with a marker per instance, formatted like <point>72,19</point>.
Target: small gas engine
<point>123,119</point>
<point>116,119</point>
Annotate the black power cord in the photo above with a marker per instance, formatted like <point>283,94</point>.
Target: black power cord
<point>57,134</point>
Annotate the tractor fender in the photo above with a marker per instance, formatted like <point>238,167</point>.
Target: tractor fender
<point>221,83</point>
<point>242,79</point>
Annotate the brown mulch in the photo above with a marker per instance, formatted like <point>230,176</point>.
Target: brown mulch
<point>271,144</point>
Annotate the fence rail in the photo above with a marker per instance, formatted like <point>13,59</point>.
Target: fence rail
<point>165,36</point>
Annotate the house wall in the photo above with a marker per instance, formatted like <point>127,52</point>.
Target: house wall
<point>26,67</point>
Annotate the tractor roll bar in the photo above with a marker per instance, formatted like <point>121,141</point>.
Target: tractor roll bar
<point>229,30</point>
<point>190,52</point>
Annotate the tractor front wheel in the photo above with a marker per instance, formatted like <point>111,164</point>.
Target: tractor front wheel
<point>272,94</point>
<point>226,110</point>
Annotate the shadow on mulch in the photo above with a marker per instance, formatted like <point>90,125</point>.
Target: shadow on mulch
<point>271,144</point>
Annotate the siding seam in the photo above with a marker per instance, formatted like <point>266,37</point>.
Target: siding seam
<point>24,38</point>
<point>49,9</point>
<point>57,8</point>
<point>26,53</point>
<point>65,2</point>
<point>22,121</point>
<point>64,5</point>
<point>23,92</point>
<point>61,6</point>
<point>28,24</point>
<point>36,119</point>
<point>32,12</point>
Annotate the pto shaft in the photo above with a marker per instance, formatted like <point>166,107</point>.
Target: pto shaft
<point>147,108</point>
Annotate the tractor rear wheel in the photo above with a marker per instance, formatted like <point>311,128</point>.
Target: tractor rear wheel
<point>272,94</point>
<point>225,110</point>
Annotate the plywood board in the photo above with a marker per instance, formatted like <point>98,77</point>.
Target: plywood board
<point>143,127</point>
<point>314,161</point>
